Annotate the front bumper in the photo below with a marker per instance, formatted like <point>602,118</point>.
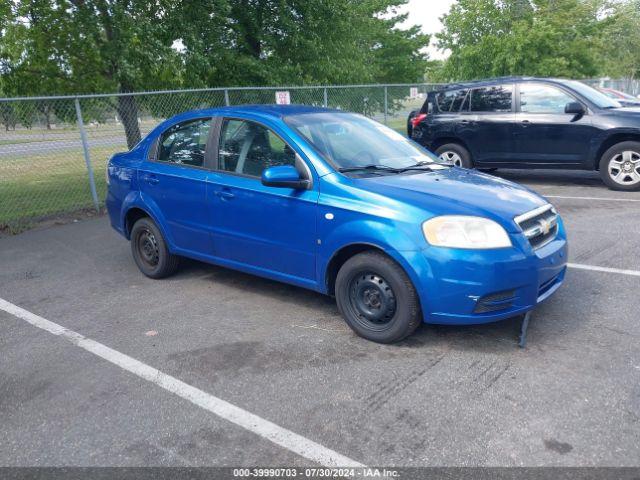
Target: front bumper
<point>464,287</point>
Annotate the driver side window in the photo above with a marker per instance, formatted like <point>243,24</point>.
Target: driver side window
<point>248,148</point>
<point>537,98</point>
<point>185,143</point>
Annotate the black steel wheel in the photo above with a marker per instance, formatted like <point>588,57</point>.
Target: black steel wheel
<point>150,250</point>
<point>376,298</point>
<point>372,300</point>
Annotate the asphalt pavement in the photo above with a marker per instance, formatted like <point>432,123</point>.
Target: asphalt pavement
<point>447,396</point>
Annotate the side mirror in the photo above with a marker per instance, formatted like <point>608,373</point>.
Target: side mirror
<point>574,108</point>
<point>284,176</point>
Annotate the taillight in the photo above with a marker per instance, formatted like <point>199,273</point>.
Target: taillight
<point>415,121</point>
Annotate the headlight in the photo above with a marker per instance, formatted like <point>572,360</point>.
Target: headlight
<point>457,231</point>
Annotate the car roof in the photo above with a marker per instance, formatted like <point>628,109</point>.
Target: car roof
<point>494,81</point>
<point>271,111</point>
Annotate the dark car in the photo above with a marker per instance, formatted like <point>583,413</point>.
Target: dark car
<point>532,123</point>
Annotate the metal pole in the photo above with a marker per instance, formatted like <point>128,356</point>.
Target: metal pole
<point>326,98</point>
<point>386,109</point>
<point>226,97</point>
<point>87,158</point>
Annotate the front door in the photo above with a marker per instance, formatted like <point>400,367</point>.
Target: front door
<point>545,135</point>
<point>174,178</point>
<point>269,228</point>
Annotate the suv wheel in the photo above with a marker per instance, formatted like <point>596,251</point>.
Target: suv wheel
<point>455,154</point>
<point>150,251</point>
<point>376,298</point>
<point>620,166</point>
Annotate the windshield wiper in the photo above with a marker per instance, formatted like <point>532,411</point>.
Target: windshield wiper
<point>383,168</point>
<point>424,165</point>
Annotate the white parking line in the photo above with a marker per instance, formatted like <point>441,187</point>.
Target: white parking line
<point>280,436</point>
<point>594,268</point>
<point>604,199</point>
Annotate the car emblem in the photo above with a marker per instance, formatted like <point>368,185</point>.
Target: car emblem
<point>545,226</point>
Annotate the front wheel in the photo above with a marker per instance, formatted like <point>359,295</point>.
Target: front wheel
<point>620,167</point>
<point>455,154</point>
<point>150,250</point>
<point>376,298</point>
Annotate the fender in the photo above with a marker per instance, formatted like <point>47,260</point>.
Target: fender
<point>377,234</point>
<point>610,139</point>
<point>137,199</point>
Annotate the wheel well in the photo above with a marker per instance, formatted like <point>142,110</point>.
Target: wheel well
<point>340,257</point>
<point>614,140</point>
<point>444,140</point>
<point>133,215</point>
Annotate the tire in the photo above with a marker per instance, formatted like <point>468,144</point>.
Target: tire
<point>620,167</point>
<point>455,153</point>
<point>376,298</point>
<point>150,250</point>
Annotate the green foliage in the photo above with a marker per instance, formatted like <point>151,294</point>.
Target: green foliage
<point>287,42</point>
<point>621,40</point>
<point>523,37</point>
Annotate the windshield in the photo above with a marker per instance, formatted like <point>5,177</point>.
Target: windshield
<point>348,141</point>
<point>599,99</point>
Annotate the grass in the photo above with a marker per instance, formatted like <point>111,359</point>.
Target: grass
<point>47,184</point>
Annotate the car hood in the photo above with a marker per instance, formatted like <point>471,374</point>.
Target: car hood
<point>457,191</point>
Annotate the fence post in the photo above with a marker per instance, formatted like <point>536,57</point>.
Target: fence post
<point>386,109</point>
<point>226,97</point>
<point>87,158</point>
<point>326,98</point>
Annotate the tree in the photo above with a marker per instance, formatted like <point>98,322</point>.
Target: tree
<point>276,42</point>
<point>621,43</point>
<point>521,37</point>
<point>83,46</point>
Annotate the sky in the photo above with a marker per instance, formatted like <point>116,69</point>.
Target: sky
<point>426,14</point>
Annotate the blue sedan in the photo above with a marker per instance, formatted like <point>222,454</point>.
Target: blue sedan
<point>340,204</point>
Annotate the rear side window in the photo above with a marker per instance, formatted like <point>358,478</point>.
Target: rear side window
<point>497,98</point>
<point>185,143</point>
<point>451,101</point>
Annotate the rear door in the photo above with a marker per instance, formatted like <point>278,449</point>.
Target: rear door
<point>545,135</point>
<point>486,123</point>
<point>174,178</point>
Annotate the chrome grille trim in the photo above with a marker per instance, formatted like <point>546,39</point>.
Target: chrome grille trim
<point>540,225</point>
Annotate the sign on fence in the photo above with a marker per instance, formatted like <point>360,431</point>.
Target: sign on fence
<point>413,92</point>
<point>283,98</point>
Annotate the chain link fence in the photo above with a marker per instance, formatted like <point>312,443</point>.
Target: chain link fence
<point>54,150</point>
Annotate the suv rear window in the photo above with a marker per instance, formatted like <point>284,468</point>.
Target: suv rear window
<point>451,101</point>
<point>492,99</point>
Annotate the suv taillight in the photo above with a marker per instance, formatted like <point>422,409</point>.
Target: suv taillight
<point>415,121</point>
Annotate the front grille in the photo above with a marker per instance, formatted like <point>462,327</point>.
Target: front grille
<point>495,302</point>
<point>540,226</point>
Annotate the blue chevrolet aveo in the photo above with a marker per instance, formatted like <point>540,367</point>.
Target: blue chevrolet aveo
<point>340,204</point>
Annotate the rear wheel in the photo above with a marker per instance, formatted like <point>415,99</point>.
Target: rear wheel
<point>620,166</point>
<point>376,298</point>
<point>455,154</point>
<point>150,251</point>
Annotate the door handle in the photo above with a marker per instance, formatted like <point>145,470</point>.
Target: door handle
<point>525,123</point>
<point>151,179</point>
<point>225,195</point>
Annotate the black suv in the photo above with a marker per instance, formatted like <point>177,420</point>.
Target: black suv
<point>532,123</point>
